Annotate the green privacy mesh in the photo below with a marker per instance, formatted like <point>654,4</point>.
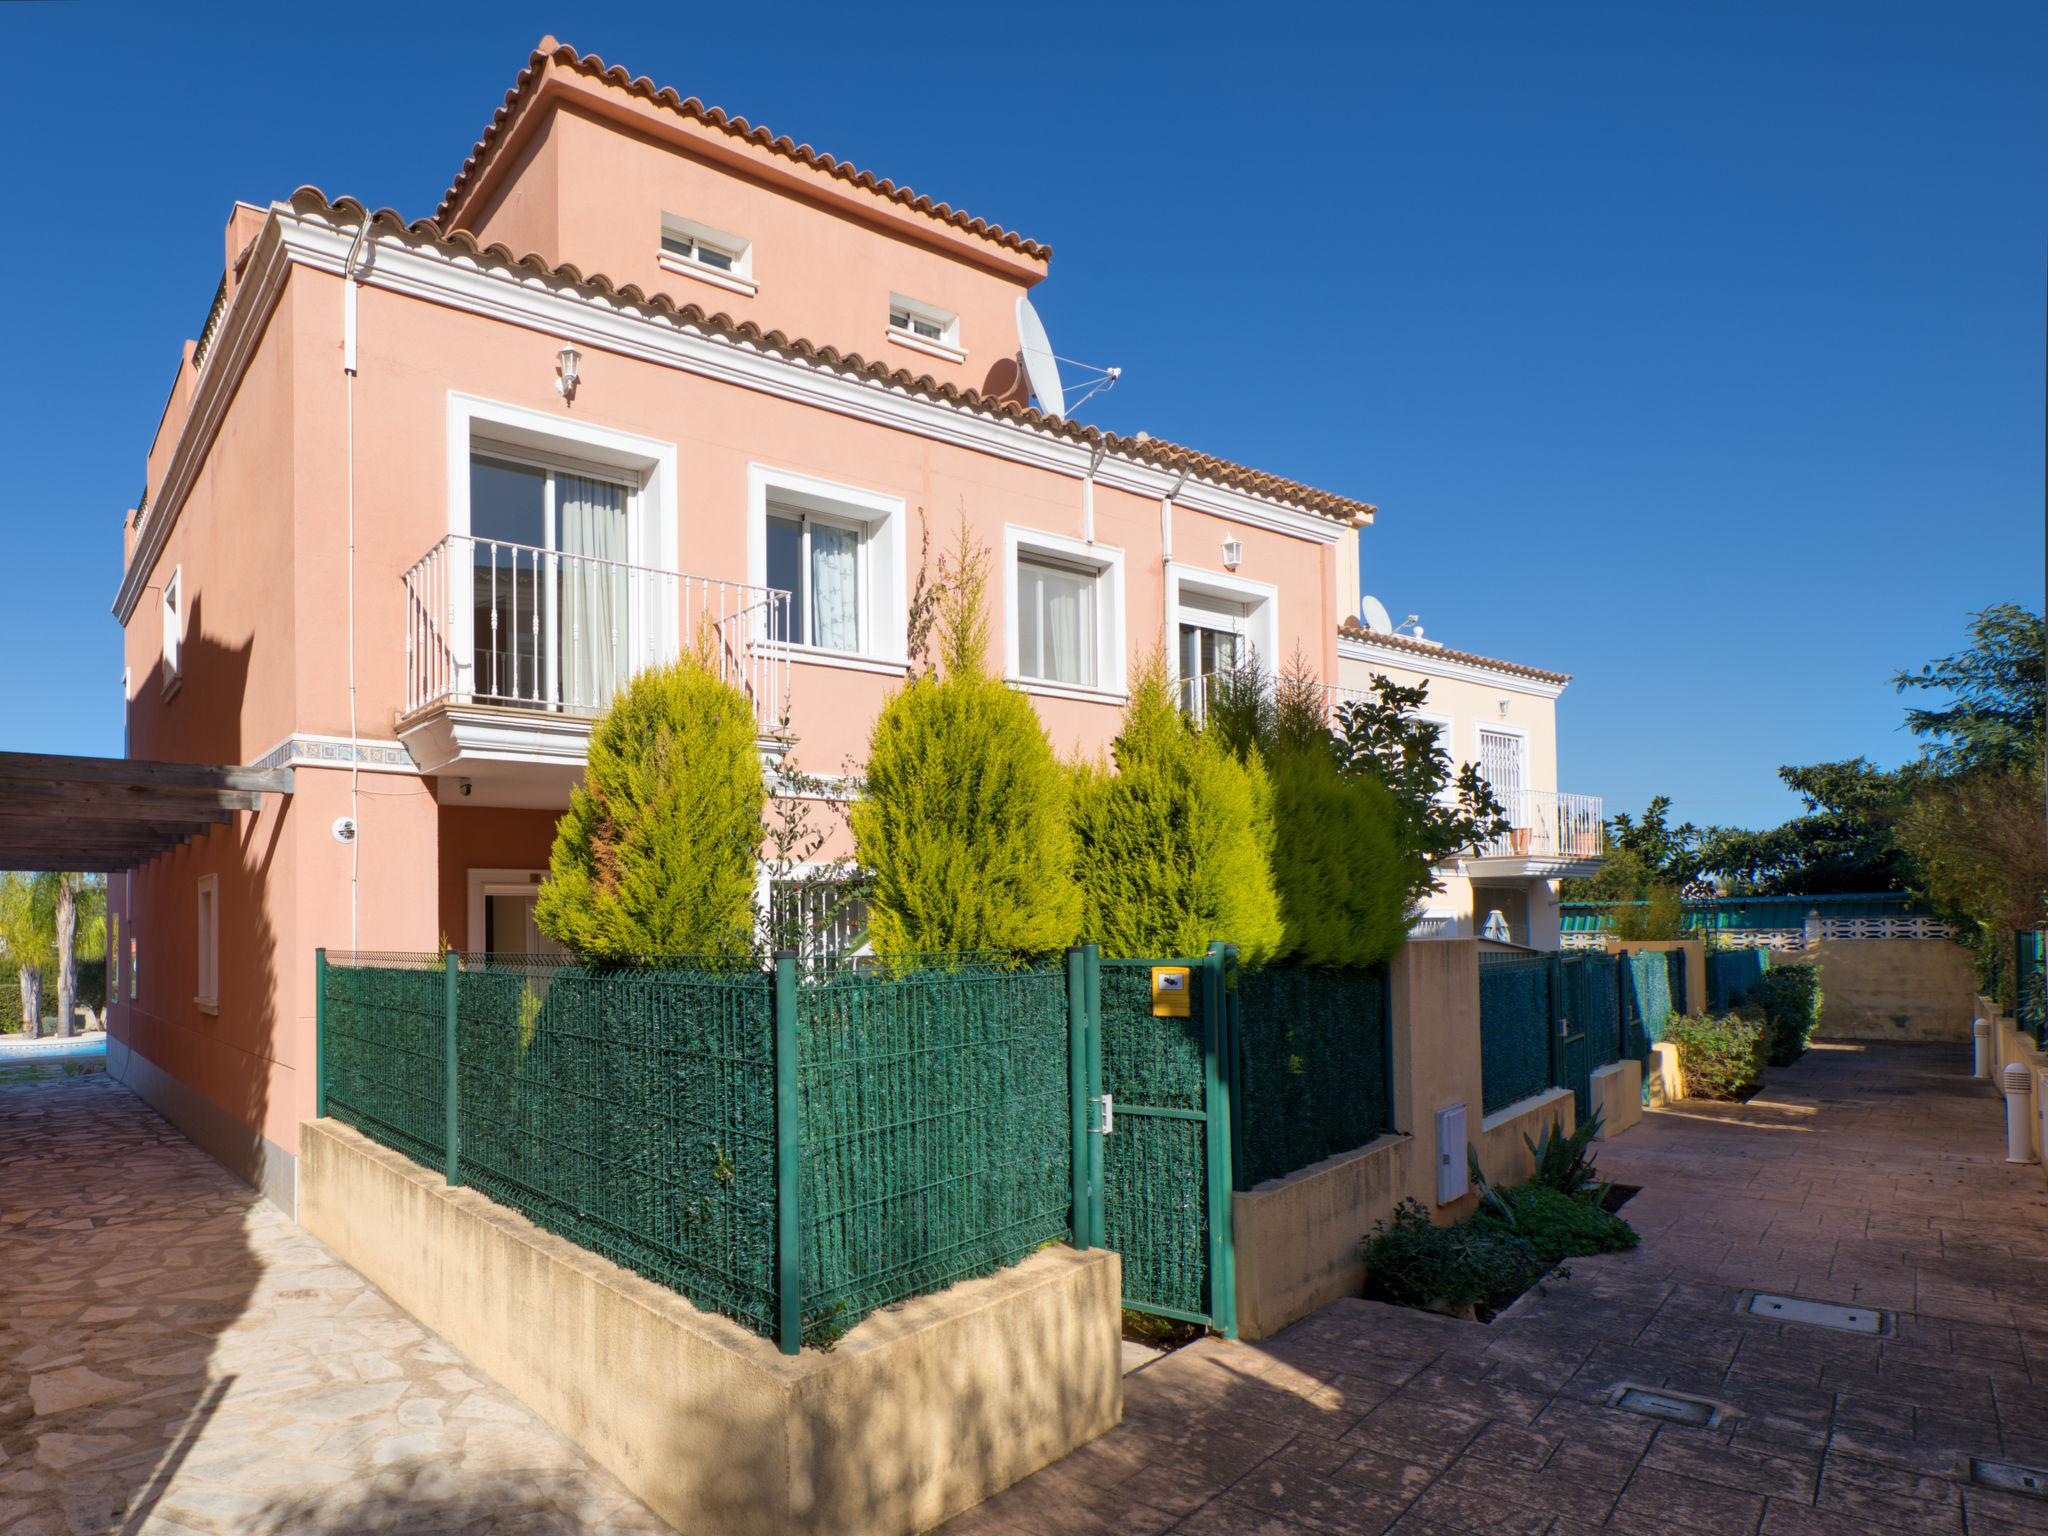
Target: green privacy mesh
<point>384,1054</point>
<point>633,1112</point>
<point>1155,1169</point>
<point>1675,978</point>
<point>1311,1066</point>
<point>1730,975</point>
<point>2030,999</point>
<point>1646,1000</point>
<point>936,1141</point>
<point>1514,1030</point>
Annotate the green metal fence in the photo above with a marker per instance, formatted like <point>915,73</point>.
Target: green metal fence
<point>1312,1062</point>
<point>792,1151</point>
<point>2029,990</point>
<point>1732,974</point>
<point>1515,1011</point>
<point>1647,1000</point>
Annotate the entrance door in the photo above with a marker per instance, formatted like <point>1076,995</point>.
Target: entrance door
<point>1501,765</point>
<point>501,908</point>
<point>1212,644</point>
<point>1165,1171</point>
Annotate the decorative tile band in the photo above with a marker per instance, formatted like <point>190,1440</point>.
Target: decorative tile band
<point>334,752</point>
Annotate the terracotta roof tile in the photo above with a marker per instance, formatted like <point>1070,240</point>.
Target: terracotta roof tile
<point>712,117</point>
<point>1351,629</point>
<point>1170,457</point>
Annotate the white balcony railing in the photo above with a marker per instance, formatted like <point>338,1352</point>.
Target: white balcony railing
<point>1549,824</point>
<point>489,622</point>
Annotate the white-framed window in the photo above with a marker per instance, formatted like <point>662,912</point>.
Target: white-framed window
<point>838,552</point>
<point>716,256</point>
<point>1063,601</point>
<point>1215,624</point>
<point>1504,764</point>
<point>925,327</point>
<point>174,630</point>
<point>208,996</point>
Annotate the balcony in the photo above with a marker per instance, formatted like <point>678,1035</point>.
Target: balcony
<point>511,650</point>
<point>1550,833</point>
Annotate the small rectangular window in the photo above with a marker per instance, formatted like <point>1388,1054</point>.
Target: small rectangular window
<point>908,318</point>
<point>209,942</point>
<point>1056,622</point>
<point>717,256</point>
<point>174,628</point>
<point>113,957</point>
<point>134,969</point>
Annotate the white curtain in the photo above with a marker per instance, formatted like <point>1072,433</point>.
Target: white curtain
<point>835,587</point>
<point>1068,653</point>
<point>593,644</point>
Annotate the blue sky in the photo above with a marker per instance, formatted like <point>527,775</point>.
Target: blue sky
<point>1699,355</point>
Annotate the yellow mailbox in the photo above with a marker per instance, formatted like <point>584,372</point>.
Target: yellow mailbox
<point>1170,989</point>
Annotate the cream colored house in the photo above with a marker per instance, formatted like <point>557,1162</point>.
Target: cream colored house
<point>1502,716</point>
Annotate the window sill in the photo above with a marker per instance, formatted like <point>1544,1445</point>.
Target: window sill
<point>851,661</point>
<point>207,1005</point>
<point>1114,696</point>
<point>731,282</point>
<point>927,346</point>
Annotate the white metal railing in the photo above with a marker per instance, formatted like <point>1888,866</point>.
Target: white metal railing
<point>491,622</point>
<point>1549,824</point>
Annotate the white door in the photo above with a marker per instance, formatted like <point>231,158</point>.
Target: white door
<point>1501,765</point>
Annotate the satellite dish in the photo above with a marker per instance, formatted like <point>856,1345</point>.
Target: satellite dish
<point>1374,612</point>
<point>1006,382</point>
<point>1035,351</point>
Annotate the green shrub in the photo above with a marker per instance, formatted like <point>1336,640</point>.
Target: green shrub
<point>1564,1163</point>
<point>1556,1225</point>
<point>1170,848</point>
<point>1790,998</point>
<point>963,822</point>
<point>657,853</point>
<point>1414,1263</point>
<point>1340,875</point>
<point>1721,1055</point>
<point>1660,916</point>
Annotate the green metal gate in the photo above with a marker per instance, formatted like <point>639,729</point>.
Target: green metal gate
<point>1159,1148</point>
<point>1572,1006</point>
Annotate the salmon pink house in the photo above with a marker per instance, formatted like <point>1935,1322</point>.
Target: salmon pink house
<point>424,492</point>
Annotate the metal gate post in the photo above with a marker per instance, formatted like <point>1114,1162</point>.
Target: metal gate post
<point>1554,969</point>
<point>320,1034</point>
<point>1091,969</point>
<point>452,1132</point>
<point>1233,1046</point>
<point>789,1270</point>
<point>1077,1089</point>
<point>1216,1103</point>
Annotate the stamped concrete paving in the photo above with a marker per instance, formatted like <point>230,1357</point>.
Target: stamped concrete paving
<point>176,1356</point>
<point>1871,1176</point>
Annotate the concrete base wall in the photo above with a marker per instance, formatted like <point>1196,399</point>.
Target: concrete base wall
<point>253,1158</point>
<point>1617,1093</point>
<point>916,1415</point>
<point>1666,1083</point>
<point>1893,989</point>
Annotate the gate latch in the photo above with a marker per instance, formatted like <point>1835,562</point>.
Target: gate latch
<point>1104,1111</point>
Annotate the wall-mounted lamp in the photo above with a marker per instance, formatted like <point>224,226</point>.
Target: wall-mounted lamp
<point>1503,709</point>
<point>1233,554</point>
<point>569,360</point>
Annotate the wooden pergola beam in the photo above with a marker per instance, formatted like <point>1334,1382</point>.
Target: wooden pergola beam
<point>103,814</point>
<point>137,773</point>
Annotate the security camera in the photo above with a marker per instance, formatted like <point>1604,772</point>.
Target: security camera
<point>344,829</point>
<point>467,787</point>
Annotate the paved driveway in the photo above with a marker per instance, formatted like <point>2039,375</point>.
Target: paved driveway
<point>1870,1176</point>
<point>176,1356</point>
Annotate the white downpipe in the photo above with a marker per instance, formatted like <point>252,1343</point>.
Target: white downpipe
<point>2019,1113</point>
<point>1980,1045</point>
<point>351,280</point>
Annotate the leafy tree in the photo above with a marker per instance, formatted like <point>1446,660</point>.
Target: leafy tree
<point>1845,842</point>
<point>1643,853</point>
<point>1439,811</point>
<point>1171,850</point>
<point>1979,854</point>
<point>657,854</point>
<point>28,935</point>
<point>1996,696</point>
<point>963,823</point>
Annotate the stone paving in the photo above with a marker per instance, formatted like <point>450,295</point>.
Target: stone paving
<point>176,1356</point>
<point>1873,1176</point>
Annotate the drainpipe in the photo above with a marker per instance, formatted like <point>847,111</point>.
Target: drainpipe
<point>352,270</point>
<point>2019,1111</point>
<point>1980,1045</point>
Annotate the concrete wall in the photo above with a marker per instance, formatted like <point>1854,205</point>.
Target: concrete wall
<point>916,1415</point>
<point>1893,989</point>
<point>1298,1237</point>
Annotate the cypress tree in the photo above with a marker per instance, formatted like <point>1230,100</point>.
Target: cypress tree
<point>1171,847</point>
<point>962,822</point>
<point>1337,861</point>
<point>658,852</point>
